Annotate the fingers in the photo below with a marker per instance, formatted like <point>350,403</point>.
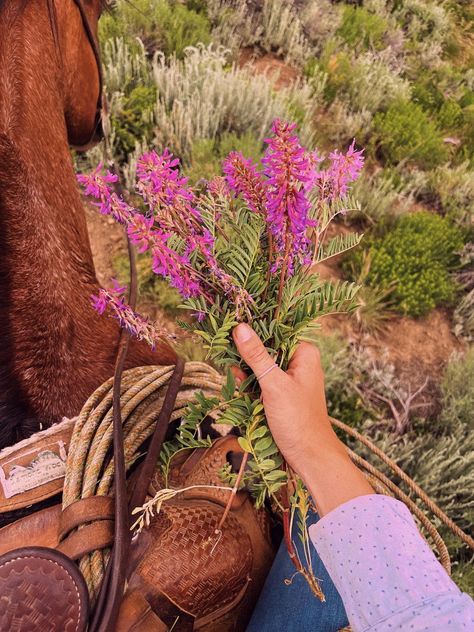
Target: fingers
<point>306,359</point>
<point>239,374</point>
<point>253,352</point>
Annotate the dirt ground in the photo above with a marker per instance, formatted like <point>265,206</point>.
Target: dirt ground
<point>107,243</point>
<point>269,65</point>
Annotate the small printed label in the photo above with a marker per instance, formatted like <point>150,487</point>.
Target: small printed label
<point>47,466</point>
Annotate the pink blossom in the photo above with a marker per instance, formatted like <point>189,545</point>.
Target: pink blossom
<point>243,178</point>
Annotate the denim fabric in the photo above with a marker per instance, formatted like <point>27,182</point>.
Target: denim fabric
<point>294,608</point>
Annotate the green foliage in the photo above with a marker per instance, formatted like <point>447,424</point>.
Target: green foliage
<point>416,257</point>
<point>338,363</point>
<point>463,318</point>
<point>426,92</point>
<point>207,154</point>
<point>405,133</point>
<point>457,388</point>
<point>449,115</point>
<point>360,28</point>
<point>450,189</point>
<point>133,119</point>
<point>165,25</point>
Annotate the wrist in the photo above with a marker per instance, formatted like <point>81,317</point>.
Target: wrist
<point>321,455</point>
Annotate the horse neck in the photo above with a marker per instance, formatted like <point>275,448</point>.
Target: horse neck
<point>48,329</point>
<point>42,215</point>
<point>54,349</point>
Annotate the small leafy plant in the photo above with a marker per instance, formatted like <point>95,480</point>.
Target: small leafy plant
<point>406,133</point>
<point>414,260</point>
<point>241,248</point>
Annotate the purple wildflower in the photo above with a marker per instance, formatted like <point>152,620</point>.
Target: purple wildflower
<point>94,182</point>
<point>344,169</point>
<point>291,172</point>
<point>139,326</point>
<point>166,192</point>
<point>243,178</point>
<point>217,187</point>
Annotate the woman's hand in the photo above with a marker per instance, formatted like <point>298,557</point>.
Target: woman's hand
<point>295,407</point>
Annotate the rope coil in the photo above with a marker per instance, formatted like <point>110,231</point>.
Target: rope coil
<point>90,466</point>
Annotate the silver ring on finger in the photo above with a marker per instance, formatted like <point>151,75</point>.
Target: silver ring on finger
<point>270,368</point>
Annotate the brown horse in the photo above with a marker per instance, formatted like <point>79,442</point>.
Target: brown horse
<point>54,349</point>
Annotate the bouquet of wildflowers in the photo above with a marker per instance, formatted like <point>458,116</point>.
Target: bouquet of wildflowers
<point>241,247</point>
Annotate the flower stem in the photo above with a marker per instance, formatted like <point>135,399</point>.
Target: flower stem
<point>234,491</point>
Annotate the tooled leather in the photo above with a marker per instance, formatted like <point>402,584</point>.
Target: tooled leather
<point>207,469</point>
<point>40,594</point>
<point>207,572</point>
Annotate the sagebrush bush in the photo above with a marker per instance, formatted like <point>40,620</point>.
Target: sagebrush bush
<point>203,97</point>
<point>270,25</point>
<point>457,388</point>
<point>337,360</point>
<point>365,81</point>
<point>463,318</point>
<point>207,154</point>
<point>360,28</point>
<point>160,24</point>
<point>381,198</point>
<point>451,190</point>
<point>406,133</point>
<point>441,465</point>
<point>416,257</point>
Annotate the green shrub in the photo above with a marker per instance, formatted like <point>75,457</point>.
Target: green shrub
<point>133,120</point>
<point>405,133</point>
<point>449,115</point>
<point>164,25</point>
<point>426,93</point>
<point>451,191</point>
<point>416,257</point>
<point>337,360</point>
<point>457,388</point>
<point>207,154</point>
<point>360,28</point>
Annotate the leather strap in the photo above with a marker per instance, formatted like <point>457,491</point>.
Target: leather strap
<point>85,510</point>
<point>136,615</point>
<point>91,537</point>
<point>142,482</point>
<point>111,592</point>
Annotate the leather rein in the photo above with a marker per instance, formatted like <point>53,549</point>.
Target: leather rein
<point>97,131</point>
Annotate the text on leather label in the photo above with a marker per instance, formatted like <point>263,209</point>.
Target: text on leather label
<point>47,465</point>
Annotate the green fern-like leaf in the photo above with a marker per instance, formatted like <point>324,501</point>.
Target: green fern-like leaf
<point>337,245</point>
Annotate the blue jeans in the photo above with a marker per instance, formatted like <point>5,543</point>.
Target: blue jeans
<point>294,608</point>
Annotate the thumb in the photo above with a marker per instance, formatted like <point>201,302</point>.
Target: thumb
<point>252,350</point>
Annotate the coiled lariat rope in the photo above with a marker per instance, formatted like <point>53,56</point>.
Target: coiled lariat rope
<point>90,466</point>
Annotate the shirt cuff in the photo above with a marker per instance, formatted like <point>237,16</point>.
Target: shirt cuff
<point>377,559</point>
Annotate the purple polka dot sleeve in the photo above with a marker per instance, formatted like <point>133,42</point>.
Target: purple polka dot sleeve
<point>385,572</point>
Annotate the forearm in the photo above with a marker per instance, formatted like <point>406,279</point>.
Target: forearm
<point>331,477</point>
